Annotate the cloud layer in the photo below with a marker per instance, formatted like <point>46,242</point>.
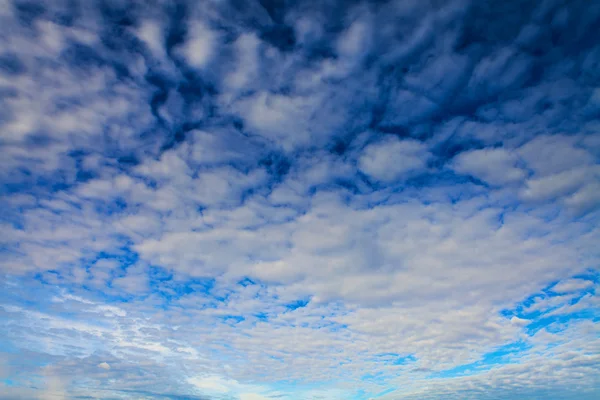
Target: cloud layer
<point>259,200</point>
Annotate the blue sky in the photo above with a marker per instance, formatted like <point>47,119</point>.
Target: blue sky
<point>259,200</point>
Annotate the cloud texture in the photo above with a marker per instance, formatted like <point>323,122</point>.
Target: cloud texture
<point>256,200</point>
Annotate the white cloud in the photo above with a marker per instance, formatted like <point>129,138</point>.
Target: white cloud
<point>548,155</point>
<point>201,44</point>
<point>494,166</point>
<point>585,199</point>
<point>253,396</point>
<point>104,365</point>
<point>134,281</point>
<point>354,41</point>
<point>558,185</point>
<point>393,159</point>
<point>244,76</point>
<point>520,321</point>
<point>212,384</point>
<point>226,231</point>
<point>282,119</point>
<point>151,32</point>
<point>572,285</point>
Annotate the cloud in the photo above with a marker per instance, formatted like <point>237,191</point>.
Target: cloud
<point>259,200</point>
<point>150,33</point>
<point>104,365</point>
<point>572,285</point>
<point>557,185</point>
<point>494,166</point>
<point>245,74</point>
<point>546,155</point>
<point>200,45</point>
<point>391,159</point>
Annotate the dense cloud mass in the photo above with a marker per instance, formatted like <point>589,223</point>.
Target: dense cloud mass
<point>259,200</point>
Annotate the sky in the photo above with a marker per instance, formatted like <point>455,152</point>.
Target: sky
<point>300,200</point>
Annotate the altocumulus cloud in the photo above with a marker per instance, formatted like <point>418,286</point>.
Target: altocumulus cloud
<point>255,200</point>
